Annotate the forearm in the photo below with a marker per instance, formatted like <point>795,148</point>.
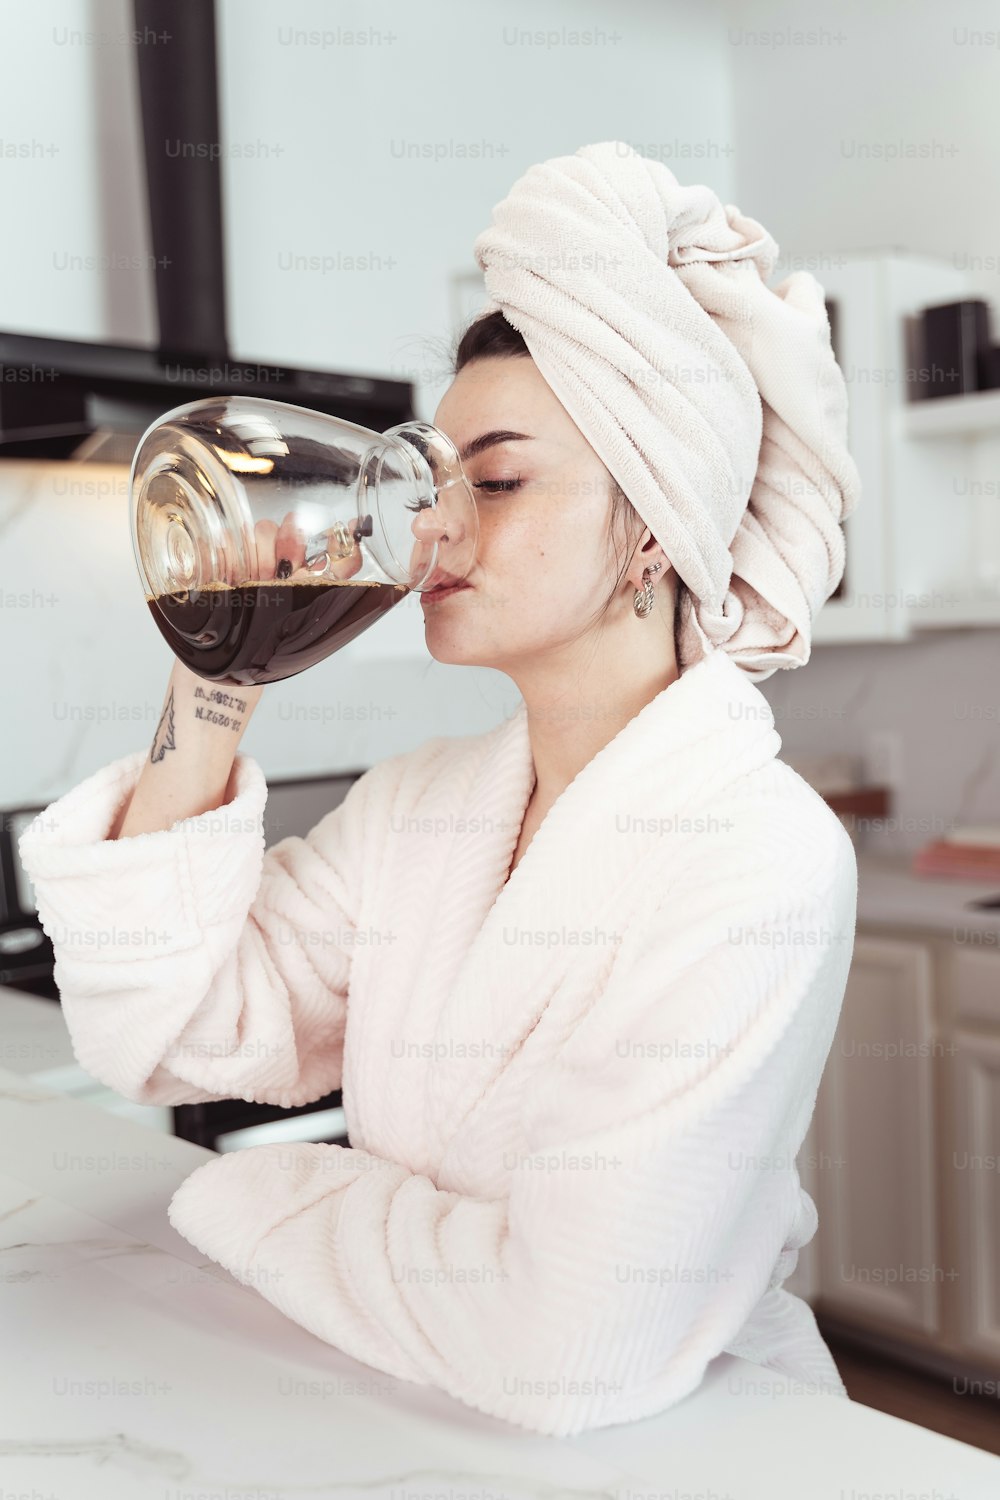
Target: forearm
<point>190,760</point>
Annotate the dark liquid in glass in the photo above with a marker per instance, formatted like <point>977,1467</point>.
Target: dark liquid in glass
<point>265,630</point>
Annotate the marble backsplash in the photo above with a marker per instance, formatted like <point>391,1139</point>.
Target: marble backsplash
<point>938,696</point>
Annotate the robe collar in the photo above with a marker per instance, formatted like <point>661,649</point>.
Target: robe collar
<point>501,949</point>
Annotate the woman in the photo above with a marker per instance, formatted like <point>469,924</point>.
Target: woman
<point>579,976</point>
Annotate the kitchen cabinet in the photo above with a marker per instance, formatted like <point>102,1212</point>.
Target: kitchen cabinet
<point>923,544</point>
<point>902,1156</point>
<point>875,1134</point>
<point>973,1166</point>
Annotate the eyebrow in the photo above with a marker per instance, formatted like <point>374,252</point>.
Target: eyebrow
<point>490,439</point>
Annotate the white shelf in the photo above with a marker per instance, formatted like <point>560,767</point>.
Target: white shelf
<point>953,416</point>
<point>974,612</point>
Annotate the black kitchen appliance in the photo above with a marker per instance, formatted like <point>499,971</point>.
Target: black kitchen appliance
<point>26,957</point>
<point>956,347</point>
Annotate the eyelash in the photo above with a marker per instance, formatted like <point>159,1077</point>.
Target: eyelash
<point>492,487</point>
<point>498,486</point>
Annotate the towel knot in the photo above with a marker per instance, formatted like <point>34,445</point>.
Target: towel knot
<point>714,401</point>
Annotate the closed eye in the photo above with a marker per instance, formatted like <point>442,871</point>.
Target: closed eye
<point>492,487</point>
<point>495,485</point>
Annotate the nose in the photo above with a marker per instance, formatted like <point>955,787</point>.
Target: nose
<point>430,525</point>
<point>453,523</point>
<point>453,519</point>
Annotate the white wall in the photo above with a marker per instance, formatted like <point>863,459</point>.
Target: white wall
<point>76,254</point>
<point>877,129</point>
<point>442,77</point>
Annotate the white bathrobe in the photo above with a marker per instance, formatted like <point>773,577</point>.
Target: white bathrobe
<point>574,1099</point>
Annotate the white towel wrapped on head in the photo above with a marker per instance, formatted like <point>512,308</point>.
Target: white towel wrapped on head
<point>714,401</point>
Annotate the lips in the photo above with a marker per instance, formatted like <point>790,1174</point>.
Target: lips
<point>443,584</point>
<point>436,595</point>
<point>442,579</point>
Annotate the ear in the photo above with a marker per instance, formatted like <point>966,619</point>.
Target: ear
<point>646,555</point>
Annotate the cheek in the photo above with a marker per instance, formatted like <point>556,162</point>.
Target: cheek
<point>510,534</point>
<point>551,557</point>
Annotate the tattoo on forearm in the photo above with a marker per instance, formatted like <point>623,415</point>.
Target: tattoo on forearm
<point>164,740</point>
<point>223,709</point>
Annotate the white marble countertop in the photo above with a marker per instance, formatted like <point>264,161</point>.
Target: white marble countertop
<point>134,1367</point>
<point>891,895</point>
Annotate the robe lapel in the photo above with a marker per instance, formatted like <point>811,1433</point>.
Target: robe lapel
<point>502,950</point>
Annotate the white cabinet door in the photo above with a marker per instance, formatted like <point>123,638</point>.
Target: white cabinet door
<point>860,614</point>
<point>907,532</point>
<point>974,1171</point>
<point>876,1140</point>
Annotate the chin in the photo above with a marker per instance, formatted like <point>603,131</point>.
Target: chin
<point>453,646</point>
<point>453,653</point>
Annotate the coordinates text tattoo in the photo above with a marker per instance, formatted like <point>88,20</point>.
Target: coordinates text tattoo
<point>164,740</point>
<point>214,709</point>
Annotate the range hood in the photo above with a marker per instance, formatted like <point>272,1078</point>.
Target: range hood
<point>67,398</point>
<point>62,398</point>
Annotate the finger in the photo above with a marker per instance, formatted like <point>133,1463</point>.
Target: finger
<point>341,566</point>
<point>351,565</point>
<point>224,563</point>
<point>289,546</point>
<point>217,562</point>
<point>265,536</point>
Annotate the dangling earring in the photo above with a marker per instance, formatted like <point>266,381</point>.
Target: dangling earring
<point>642,600</point>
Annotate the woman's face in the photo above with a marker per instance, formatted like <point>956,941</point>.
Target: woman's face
<point>545,563</point>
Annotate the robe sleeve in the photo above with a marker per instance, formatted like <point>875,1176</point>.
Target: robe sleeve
<point>656,1206</point>
<point>192,964</point>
